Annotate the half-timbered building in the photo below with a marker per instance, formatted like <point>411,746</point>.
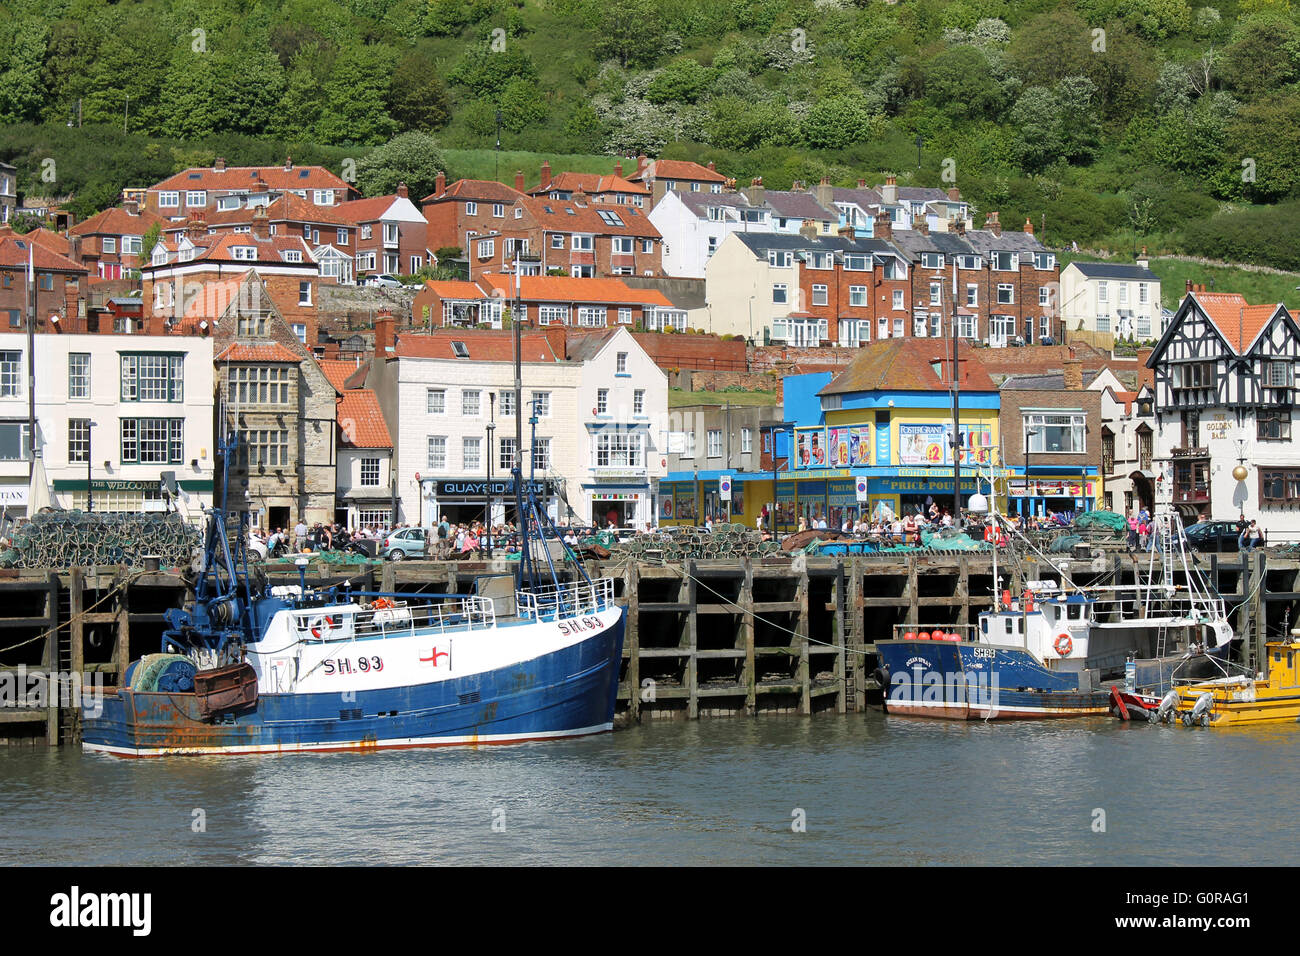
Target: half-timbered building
<point>1226,394</point>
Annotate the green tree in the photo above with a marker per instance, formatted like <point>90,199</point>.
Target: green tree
<point>1264,55</point>
<point>485,73</point>
<point>151,237</point>
<point>681,81</point>
<point>354,109</point>
<point>630,32</point>
<point>22,50</point>
<point>960,81</point>
<point>1263,144</point>
<point>417,98</point>
<point>413,158</point>
<point>836,121</point>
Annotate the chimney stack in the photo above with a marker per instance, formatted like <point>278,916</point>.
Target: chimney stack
<point>261,228</point>
<point>824,193</point>
<point>798,186</point>
<point>1189,286</point>
<point>402,191</point>
<point>921,226</point>
<point>889,192</point>
<point>440,183</point>
<point>618,168</point>
<point>954,194</point>
<point>519,180</point>
<point>546,175</point>
<point>862,184</point>
<point>1073,369</point>
<point>882,228</point>
<point>133,209</point>
<point>712,169</point>
<point>755,192</point>
<point>384,340</point>
<point>74,249</point>
<point>1029,227</point>
<point>1143,262</point>
<point>641,162</point>
<point>260,185</point>
<point>220,165</point>
<point>288,163</point>
<point>847,232</point>
<point>991,223</point>
<point>809,229</point>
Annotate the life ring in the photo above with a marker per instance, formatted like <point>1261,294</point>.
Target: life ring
<point>321,624</point>
<point>1063,645</point>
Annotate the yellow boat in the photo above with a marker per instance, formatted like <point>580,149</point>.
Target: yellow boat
<point>1242,699</point>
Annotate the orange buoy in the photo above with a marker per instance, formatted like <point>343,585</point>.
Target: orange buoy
<point>910,636</point>
<point>1063,645</point>
<point>923,636</point>
<point>938,636</point>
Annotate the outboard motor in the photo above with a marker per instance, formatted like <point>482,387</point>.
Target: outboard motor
<point>1167,705</point>
<point>1200,711</point>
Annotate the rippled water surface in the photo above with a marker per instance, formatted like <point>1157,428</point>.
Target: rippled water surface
<point>872,789</point>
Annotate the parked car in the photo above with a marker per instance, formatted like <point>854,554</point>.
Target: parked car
<point>403,543</point>
<point>384,280</point>
<point>1212,535</point>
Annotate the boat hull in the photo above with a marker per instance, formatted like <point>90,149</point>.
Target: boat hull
<point>567,692</point>
<point>965,681</point>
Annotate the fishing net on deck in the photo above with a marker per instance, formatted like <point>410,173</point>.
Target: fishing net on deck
<point>1100,521</point>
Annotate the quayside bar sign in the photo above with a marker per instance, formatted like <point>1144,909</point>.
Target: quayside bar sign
<point>468,489</point>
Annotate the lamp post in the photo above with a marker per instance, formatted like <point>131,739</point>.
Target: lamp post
<point>487,490</point>
<point>90,495</point>
<point>1029,433</point>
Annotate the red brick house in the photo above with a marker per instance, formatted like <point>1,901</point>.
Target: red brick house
<point>110,240</point>
<point>391,234</point>
<point>224,187</point>
<point>192,274</point>
<point>60,283</point>
<point>601,189</point>
<point>491,223</point>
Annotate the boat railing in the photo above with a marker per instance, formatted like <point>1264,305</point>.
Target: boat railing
<point>393,618</point>
<point>554,602</point>
<point>956,633</point>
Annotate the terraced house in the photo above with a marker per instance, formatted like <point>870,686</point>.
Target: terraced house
<point>223,187</point>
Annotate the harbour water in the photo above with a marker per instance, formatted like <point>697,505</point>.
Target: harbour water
<point>868,789</point>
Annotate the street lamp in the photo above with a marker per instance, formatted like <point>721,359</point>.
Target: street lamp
<point>90,495</point>
<point>488,490</point>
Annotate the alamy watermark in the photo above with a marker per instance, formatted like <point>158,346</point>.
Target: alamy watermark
<point>21,687</point>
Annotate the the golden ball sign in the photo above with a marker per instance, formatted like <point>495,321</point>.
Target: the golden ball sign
<point>1240,472</point>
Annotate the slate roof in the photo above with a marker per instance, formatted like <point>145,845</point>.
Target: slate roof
<point>793,205</point>
<point>1115,270</point>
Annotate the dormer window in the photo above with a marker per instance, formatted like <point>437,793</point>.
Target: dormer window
<point>292,255</point>
<point>243,252</point>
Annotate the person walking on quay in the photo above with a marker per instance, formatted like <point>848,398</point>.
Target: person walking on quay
<point>1131,522</point>
<point>300,534</point>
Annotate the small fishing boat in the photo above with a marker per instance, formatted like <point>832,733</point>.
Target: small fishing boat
<point>1241,699</point>
<point>1051,652</point>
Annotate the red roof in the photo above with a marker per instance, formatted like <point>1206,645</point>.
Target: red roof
<point>366,210</point>
<point>907,364</point>
<point>456,289</point>
<point>242,178</point>
<point>571,289</point>
<point>565,215</point>
<point>592,184</point>
<point>478,189</point>
<point>41,236</point>
<point>678,169</point>
<point>361,423</point>
<point>15,250</point>
<point>338,371</point>
<point>286,208</point>
<point>259,352</point>
<point>483,345</point>
<point>117,222</point>
<point>1236,320</point>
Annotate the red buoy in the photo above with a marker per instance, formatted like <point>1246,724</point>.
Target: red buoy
<point>923,636</point>
<point>910,636</point>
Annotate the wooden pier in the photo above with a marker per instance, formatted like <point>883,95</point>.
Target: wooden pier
<point>706,638</point>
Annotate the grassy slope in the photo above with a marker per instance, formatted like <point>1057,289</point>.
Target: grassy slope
<point>678,398</point>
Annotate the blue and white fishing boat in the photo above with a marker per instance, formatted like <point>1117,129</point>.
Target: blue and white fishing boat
<point>248,668</point>
<point>1050,652</point>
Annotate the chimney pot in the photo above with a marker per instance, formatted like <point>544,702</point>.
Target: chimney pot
<point>440,183</point>
<point>862,184</point>
<point>288,163</point>
<point>546,175</point>
<point>220,165</point>
<point>712,167</point>
<point>1029,226</point>
<point>402,190</point>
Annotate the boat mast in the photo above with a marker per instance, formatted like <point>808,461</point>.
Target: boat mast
<point>521,518</point>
